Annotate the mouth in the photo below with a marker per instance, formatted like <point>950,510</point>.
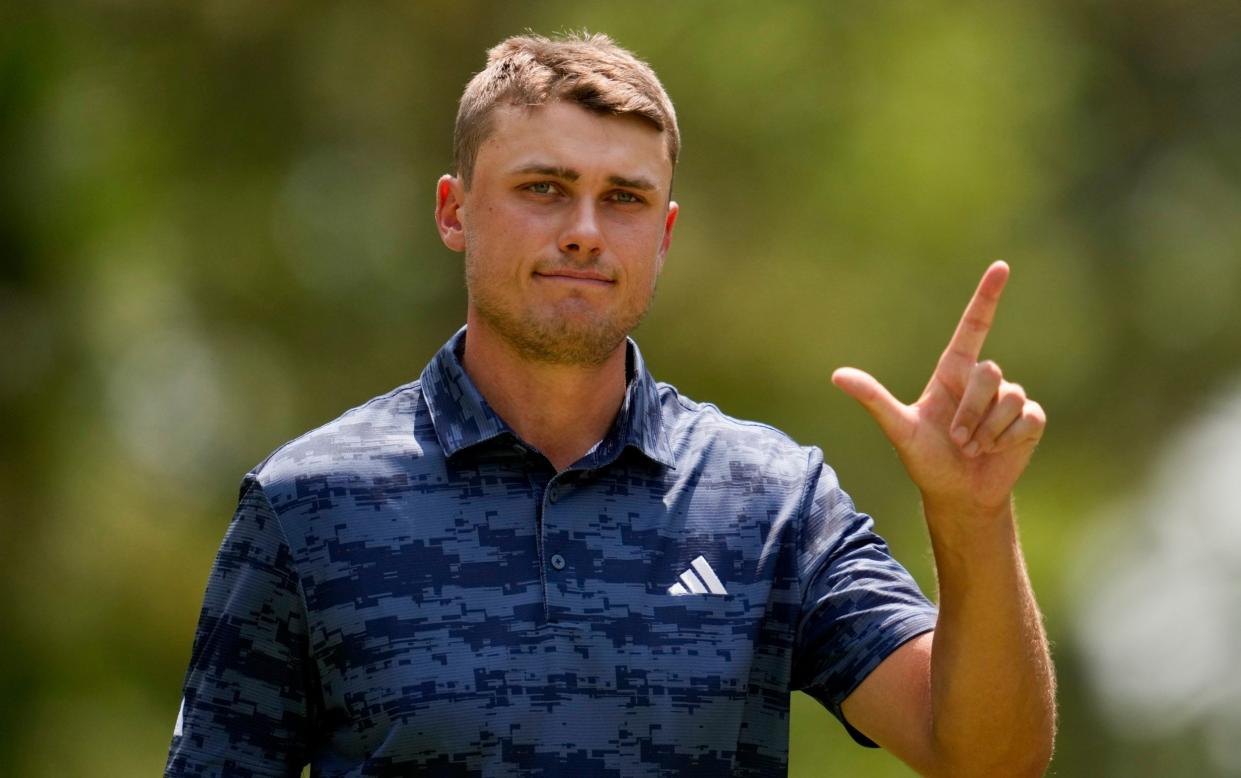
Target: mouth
<point>569,276</point>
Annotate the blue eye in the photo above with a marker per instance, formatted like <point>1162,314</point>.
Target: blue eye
<point>540,187</point>
<point>627,197</point>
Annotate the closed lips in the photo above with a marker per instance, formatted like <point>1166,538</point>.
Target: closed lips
<point>574,275</point>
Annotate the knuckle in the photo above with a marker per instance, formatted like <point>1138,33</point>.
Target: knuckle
<point>1035,413</point>
<point>989,369</point>
<point>998,423</point>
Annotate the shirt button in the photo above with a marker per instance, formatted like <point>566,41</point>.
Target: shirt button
<point>557,562</point>
<point>553,494</point>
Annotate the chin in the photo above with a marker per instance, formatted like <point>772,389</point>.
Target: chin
<point>567,342</point>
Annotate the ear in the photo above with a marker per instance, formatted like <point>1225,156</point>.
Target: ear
<point>669,221</point>
<point>450,212</point>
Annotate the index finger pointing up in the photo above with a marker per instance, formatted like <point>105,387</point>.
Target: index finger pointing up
<point>966,345</point>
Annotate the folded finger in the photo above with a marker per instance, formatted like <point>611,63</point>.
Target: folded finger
<point>1028,427</point>
<point>984,380</point>
<point>1009,402</point>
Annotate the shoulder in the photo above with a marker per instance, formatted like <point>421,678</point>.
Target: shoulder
<point>356,443</point>
<point>697,429</point>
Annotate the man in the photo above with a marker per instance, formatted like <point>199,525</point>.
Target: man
<point>535,560</point>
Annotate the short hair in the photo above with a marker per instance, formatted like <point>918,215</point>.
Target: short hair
<point>531,70</point>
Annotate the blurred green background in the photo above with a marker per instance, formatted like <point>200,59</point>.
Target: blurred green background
<point>216,233</point>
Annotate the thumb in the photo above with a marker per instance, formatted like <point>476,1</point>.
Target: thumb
<point>876,399</point>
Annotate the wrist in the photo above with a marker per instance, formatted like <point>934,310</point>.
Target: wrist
<point>968,508</point>
<point>966,529</point>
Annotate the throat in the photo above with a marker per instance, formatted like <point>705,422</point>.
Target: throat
<point>561,410</point>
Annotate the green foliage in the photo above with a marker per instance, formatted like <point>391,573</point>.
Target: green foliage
<point>216,234</point>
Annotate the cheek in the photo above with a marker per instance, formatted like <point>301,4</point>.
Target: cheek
<point>506,228</point>
<point>639,243</point>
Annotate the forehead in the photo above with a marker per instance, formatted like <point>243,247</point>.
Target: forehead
<point>567,135</point>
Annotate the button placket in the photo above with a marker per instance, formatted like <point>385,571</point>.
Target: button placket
<point>539,486</point>
<point>555,493</point>
<point>556,562</point>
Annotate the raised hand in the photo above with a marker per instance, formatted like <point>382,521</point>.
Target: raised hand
<point>968,438</point>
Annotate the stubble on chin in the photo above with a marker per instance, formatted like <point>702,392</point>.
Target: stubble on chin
<point>549,339</point>
<point>555,335</point>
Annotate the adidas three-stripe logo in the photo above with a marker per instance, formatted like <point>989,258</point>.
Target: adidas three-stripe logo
<point>698,579</point>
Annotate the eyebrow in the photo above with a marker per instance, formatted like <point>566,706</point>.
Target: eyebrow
<point>569,174</point>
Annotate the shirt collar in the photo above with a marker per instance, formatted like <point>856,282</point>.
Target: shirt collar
<point>462,418</point>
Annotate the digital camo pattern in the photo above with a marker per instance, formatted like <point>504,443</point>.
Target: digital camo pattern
<point>411,590</point>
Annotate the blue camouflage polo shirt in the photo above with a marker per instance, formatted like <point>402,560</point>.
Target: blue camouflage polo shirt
<point>413,590</point>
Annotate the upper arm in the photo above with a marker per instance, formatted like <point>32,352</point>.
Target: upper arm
<point>892,705</point>
<point>245,695</point>
<point>861,610</point>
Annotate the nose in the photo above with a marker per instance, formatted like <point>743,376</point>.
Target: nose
<point>581,237</point>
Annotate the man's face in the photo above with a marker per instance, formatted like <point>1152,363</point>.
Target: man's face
<point>565,227</point>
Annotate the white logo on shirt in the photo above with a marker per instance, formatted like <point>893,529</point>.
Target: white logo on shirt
<point>698,579</point>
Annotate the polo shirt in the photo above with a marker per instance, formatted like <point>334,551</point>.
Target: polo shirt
<point>412,589</point>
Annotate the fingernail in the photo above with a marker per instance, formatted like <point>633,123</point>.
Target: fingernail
<point>960,435</point>
<point>971,449</point>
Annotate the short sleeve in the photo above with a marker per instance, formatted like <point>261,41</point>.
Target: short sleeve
<point>245,706</point>
<point>858,603</point>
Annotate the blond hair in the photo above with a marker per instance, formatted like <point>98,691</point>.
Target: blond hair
<point>531,70</point>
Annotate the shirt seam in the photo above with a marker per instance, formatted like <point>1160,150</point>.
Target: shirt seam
<point>301,591</point>
<point>284,538</point>
<point>412,385</point>
<point>696,407</point>
<point>797,542</point>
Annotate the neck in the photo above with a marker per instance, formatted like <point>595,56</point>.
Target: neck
<point>562,410</point>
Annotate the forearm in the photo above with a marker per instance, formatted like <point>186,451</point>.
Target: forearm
<point>992,686</point>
